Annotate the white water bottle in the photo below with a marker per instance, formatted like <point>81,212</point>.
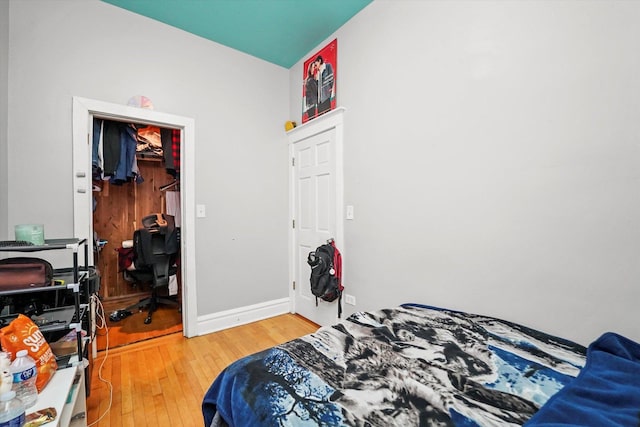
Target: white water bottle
<point>24,372</point>
<point>11,410</point>
<point>6,379</point>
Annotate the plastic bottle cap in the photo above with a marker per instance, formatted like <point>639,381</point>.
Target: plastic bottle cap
<point>6,396</point>
<point>22,353</point>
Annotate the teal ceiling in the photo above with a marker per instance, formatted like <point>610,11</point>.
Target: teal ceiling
<point>277,31</point>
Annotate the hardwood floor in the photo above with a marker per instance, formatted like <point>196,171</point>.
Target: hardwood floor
<point>166,320</point>
<point>161,381</point>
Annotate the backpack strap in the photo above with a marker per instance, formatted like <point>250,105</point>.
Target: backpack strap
<point>337,267</point>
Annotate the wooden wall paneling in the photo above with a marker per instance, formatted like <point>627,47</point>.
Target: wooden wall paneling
<point>112,216</point>
<point>118,213</point>
<point>149,199</point>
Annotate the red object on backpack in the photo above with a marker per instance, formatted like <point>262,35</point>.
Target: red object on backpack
<point>337,265</point>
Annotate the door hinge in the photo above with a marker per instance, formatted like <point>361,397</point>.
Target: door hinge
<point>293,223</point>
<point>294,285</point>
<point>293,161</point>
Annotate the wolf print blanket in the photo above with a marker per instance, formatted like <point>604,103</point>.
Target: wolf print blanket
<point>411,365</point>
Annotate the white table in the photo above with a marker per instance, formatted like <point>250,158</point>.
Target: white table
<point>56,393</point>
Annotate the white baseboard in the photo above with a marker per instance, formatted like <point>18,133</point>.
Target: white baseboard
<point>242,315</point>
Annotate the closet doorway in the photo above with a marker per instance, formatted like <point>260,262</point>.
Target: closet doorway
<point>84,111</point>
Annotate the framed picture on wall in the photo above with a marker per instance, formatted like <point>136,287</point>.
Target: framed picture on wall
<point>320,73</point>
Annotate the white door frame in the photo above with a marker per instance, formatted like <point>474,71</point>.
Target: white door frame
<point>83,112</point>
<point>332,119</point>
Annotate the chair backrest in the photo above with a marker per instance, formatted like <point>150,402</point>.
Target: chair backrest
<point>156,247</point>
<point>164,224</point>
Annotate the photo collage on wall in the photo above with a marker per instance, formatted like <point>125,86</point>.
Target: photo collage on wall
<point>319,82</point>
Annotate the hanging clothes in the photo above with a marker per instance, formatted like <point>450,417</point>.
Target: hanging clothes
<point>175,150</point>
<point>111,146</point>
<point>173,206</point>
<point>171,149</point>
<point>96,154</point>
<point>127,168</point>
<point>116,146</point>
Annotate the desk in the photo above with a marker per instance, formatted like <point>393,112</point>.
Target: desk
<point>55,395</point>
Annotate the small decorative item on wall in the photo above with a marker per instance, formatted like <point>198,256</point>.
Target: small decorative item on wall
<point>140,101</point>
<point>319,82</point>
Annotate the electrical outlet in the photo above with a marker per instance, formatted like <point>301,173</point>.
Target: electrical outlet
<point>349,299</point>
<point>349,213</point>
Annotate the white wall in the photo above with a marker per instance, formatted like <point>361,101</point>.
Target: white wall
<point>94,50</point>
<point>4,89</point>
<point>492,157</point>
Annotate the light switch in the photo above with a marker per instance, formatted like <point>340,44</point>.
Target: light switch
<point>201,211</point>
<point>349,212</point>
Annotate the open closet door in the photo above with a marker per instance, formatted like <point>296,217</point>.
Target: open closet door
<point>83,112</point>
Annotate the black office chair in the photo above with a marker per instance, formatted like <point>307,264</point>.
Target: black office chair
<point>156,247</point>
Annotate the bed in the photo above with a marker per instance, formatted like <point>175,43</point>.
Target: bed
<point>417,365</point>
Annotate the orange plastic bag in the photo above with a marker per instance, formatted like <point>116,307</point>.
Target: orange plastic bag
<point>23,334</point>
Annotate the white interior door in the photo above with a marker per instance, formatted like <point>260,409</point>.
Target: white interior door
<point>316,211</point>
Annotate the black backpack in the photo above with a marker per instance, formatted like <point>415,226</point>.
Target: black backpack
<point>326,274</point>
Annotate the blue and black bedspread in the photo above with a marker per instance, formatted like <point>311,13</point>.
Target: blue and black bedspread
<point>407,366</point>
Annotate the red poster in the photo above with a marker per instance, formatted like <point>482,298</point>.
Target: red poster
<point>319,82</point>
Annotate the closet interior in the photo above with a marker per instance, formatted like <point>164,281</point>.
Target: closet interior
<point>136,173</point>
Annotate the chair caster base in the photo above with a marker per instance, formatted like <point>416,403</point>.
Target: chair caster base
<point>147,320</point>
